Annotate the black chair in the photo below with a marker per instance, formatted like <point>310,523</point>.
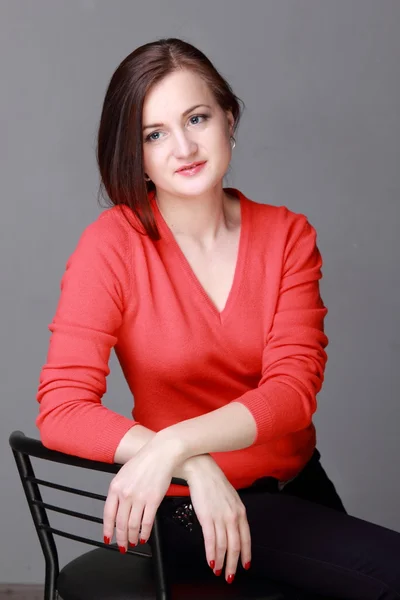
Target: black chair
<point>105,573</point>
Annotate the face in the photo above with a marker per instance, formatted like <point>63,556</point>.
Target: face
<point>183,124</point>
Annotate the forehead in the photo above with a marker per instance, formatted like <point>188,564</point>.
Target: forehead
<point>174,94</point>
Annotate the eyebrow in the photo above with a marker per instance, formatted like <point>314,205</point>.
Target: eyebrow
<point>183,115</point>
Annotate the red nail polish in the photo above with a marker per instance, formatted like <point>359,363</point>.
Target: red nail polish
<point>230,578</point>
<point>122,549</point>
<point>106,539</point>
<point>218,573</point>
<point>247,566</point>
<point>133,545</point>
<point>142,541</point>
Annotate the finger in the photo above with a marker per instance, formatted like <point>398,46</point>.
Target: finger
<point>149,515</point>
<point>109,516</point>
<point>220,546</point>
<point>121,524</point>
<point>134,523</point>
<point>209,542</point>
<point>245,542</point>
<point>233,549</point>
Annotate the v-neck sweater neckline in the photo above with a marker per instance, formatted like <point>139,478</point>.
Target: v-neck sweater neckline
<point>168,237</point>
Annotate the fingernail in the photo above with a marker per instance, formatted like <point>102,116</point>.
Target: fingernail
<point>247,566</point>
<point>218,573</point>
<point>122,549</point>
<point>212,564</point>
<point>106,539</point>
<point>142,541</point>
<point>230,578</point>
<point>131,544</point>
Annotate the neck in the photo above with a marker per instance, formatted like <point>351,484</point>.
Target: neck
<point>200,218</point>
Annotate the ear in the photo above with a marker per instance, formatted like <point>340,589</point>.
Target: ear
<point>231,121</point>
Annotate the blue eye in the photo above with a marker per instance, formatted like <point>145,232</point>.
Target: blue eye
<point>204,117</point>
<point>150,137</point>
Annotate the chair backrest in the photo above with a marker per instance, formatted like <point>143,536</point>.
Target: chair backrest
<point>23,449</point>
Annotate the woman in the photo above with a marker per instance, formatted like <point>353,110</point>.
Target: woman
<point>212,303</point>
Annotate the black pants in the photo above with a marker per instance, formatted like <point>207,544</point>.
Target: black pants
<point>303,536</point>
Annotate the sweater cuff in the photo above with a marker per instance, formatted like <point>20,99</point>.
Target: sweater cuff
<point>109,438</point>
<point>265,419</point>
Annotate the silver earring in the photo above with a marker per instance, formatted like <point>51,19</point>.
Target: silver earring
<point>146,177</point>
<point>233,142</point>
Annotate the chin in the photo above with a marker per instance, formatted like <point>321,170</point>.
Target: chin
<point>194,192</point>
<point>197,187</point>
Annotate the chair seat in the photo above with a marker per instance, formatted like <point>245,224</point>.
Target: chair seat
<point>105,575</point>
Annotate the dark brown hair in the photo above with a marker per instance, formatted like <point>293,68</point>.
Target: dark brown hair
<point>120,142</point>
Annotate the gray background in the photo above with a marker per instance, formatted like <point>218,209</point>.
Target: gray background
<point>320,134</point>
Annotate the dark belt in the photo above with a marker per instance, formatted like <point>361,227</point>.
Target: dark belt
<point>270,484</point>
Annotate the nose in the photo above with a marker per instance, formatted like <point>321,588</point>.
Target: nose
<point>184,145</point>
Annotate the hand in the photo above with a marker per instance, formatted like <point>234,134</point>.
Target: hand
<point>136,492</point>
<point>222,516</point>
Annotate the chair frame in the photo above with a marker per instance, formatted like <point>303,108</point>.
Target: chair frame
<point>23,448</point>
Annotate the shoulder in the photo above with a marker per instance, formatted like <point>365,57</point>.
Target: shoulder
<point>273,215</point>
<point>101,258</point>
<point>114,223</point>
<point>280,233</point>
<point>277,221</point>
<point>113,229</point>
<point>104,247</point>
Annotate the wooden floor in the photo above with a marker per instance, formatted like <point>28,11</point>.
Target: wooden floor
<point>15,591</point>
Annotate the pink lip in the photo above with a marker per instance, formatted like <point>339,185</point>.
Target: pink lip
<point>191,166</point>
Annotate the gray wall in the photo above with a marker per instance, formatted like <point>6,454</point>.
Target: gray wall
<point>320,134</point>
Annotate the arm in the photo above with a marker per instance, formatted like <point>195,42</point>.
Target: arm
<point>292,368</point>
<point>95,291</point>
<point>139,436</point>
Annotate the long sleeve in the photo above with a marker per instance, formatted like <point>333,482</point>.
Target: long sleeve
<point>95,289</point>
<point>294,358</point>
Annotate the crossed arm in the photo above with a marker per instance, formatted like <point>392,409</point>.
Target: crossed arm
<point>201,435</point>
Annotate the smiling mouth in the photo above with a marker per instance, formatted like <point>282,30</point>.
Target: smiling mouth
<point>192,166</point>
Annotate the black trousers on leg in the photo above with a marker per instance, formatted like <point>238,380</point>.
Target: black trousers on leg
<point>303,537</point>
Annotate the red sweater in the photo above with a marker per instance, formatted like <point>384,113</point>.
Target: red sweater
<point>182,357</point>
